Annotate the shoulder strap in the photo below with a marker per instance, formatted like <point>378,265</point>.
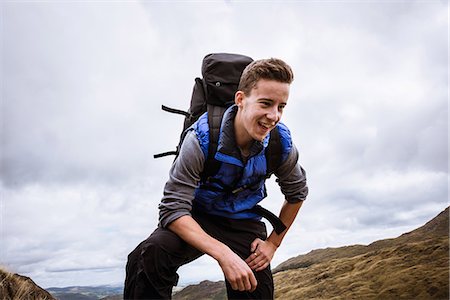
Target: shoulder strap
<point>273,152</point>
<point>215,114</point>
<point>276,222</point>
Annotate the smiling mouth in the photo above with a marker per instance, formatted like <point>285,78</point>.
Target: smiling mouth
<point>266,126</point>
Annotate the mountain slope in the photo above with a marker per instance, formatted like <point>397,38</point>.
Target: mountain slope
<point>85,292</point>
<point>414,265</point>
<point>204,290</point>
<point>14,286</point>
<point>435,228</point>
<point>408,271</point>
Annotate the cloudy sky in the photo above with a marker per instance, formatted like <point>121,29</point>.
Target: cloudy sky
<point>82,84</point>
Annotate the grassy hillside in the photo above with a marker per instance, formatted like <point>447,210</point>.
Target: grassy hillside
<point>416,270</point>
<point>438,227</point>
<point>14,286</point>
<point>414,265</point>
<point>204,290</point>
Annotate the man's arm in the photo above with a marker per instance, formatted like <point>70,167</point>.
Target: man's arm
<point>175,214</point>
<point>263,251</point>
<point>288,214</point>
<point>292,181</point>
<point>234,268</point>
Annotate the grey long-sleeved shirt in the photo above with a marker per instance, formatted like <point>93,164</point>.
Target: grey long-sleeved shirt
<point>184,178</point>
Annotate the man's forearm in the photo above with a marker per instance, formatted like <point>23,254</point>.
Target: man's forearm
<point>287,215</point>
<point>234,268</point>
<point>190,231</point>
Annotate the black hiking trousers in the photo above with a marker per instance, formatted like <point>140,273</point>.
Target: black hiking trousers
<point>151,270</point>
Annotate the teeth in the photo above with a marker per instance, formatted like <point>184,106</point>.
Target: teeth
<point>266,125</point>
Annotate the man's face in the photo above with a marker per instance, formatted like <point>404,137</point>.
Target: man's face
<point>260,111</point>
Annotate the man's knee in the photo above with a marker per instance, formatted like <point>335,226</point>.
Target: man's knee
<point>264,289</point>
<point>150,270</point>
<point>152,266</point>
<point>163,252</point>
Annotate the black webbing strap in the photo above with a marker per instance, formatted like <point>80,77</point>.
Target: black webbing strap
<point>165,154</point>
<point>273,152</point>
<point>215,114</point>
<point>176,111</point>
<point>277,224</point>
<point>273,156</point>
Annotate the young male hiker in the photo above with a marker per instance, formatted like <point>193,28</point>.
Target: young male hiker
<point>205,217</point>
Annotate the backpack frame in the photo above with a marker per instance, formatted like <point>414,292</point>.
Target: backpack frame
<point>214,93</point>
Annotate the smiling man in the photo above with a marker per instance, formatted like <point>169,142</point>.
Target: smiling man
<point>214,216</point>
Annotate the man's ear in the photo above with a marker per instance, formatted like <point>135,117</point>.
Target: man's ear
<point>239,98</point>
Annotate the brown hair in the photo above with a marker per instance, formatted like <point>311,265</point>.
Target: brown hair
<point>271,69</point>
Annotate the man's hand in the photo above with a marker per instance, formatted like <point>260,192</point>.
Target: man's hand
<point>262,254</point>
<point>237,272</point>
<point>263,251</point>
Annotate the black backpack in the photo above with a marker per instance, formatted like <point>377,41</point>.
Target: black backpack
<point>214,94</point>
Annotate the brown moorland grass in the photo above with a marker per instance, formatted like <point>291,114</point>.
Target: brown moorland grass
<point>412,271</point>
<point>414,265</point>
<point>14,286</point>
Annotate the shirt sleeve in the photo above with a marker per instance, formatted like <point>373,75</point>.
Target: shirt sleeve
<point>184,177</point>
<point>291,178</point>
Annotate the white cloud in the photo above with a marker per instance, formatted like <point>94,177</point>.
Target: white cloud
<point>82,89</point>
<point>75,228</point>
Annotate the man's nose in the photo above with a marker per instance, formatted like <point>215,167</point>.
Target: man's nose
<point>273,114</point>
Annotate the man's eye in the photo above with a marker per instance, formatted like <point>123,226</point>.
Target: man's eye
<point>265,104</point>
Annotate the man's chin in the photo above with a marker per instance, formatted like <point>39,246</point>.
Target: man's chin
<point>260,137</point>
